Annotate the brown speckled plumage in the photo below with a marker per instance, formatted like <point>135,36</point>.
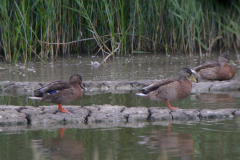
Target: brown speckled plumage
<point>216,70</point>
<point>60,92</point>
<point>171,88</point>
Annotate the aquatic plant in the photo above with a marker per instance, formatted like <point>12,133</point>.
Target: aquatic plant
<point>46,29</point>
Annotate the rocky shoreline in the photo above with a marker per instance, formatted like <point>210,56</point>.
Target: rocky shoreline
<point>27,88</point>
<point>48,115</point>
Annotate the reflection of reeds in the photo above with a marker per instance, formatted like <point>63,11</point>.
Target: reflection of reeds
<point>44,28</point>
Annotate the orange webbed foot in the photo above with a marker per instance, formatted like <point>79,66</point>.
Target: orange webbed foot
<point>170,107</point>
<point>173,107</point>
<point>62,109</point>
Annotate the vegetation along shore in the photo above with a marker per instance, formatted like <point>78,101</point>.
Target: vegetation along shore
<point>48,29</point>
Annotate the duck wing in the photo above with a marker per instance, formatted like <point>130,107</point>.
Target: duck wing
<point>205,65</point>
<point>52,88</point>
<point>156,85</point>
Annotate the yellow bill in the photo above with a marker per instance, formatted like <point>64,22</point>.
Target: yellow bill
<point>192,78</point>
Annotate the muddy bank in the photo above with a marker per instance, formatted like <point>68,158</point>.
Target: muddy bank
<point>27,88</point>
<point>49,115</point>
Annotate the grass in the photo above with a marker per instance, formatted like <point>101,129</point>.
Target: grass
<point>44,28</point>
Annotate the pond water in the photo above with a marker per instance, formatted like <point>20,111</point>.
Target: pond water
<point>168,141</point>
<point>215,139</point>
<point>130,67</point>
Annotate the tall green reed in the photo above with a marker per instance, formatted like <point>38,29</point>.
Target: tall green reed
<point>45,29</point>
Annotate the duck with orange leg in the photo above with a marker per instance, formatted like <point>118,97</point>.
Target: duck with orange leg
<point>61,92</point>
<point>171,88</point>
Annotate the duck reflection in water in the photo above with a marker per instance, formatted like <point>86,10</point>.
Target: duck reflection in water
<point>214,98</point>
<point>61,147</point>
<point>169,143</point>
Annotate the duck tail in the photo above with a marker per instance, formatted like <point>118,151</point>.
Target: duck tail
<point>194,72</point>
<point>141,94</point>
<point>36,98</point>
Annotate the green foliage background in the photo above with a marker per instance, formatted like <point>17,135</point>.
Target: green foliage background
<point>49,28</point>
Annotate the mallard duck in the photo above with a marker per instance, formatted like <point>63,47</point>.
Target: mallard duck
<point>171,88</point>
<point>216,70</point>
<point>60,92</point>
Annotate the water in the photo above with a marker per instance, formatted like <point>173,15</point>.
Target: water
<point>215,139</point>
<point>202,140</point>
<point>131,67</point>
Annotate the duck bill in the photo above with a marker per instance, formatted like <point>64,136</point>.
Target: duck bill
<point>192,78</point>
<point>83,87</point>
<point>232,63</point>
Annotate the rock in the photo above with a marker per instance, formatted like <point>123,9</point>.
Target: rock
<point>160,114</point>
<point>105,113</point>
<point>201,87</point>
<point>136,114</point>
<point>95,86</point>
<point>185,114</point>
<point>225,85</point>
<point>18,88</point>
<point>237,113</point>
<point>9,115</point>
<point>27,88</point>
<point>219,113</point>
<point>78,115</point>
<point>123,86</point>
<point>50,115</point>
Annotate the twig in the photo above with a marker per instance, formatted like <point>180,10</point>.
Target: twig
<point>101,46</point>
<point>86,39</point>
<point>106,59</point>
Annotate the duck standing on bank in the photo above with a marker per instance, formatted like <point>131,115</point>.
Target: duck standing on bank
<point>171,88</point>
<point>60,92</point>
<point>216,70</point>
